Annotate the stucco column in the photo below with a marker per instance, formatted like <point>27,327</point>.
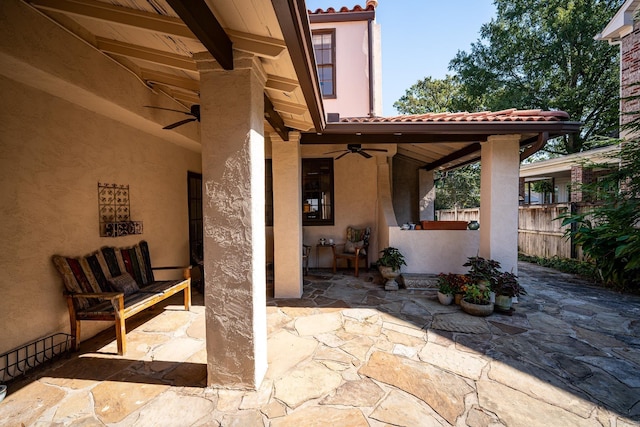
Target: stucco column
<point>427,195</point>
<point>232,112</point>
<point>287,216</point>
<point>500,159</point>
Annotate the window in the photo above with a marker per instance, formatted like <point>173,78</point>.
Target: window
<point>324,47</point>
<point>317,192</point>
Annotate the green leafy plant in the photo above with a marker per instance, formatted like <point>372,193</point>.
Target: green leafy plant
<point>585,269</point>
<point>482,270</point>
<point>477,294</point>
<point>452,283</point>
<point>507,284</point>
<point>609,235</point>
<point>391,257</point>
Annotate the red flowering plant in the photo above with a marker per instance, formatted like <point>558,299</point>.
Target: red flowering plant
<point>451,283</point>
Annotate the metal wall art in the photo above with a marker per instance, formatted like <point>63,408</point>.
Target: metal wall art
<point>114,210</point>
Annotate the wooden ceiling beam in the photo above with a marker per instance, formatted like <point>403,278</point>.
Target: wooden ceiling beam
<point>466,151</point>
<point>106,12</point>
<point>202,22</point>
<point>264,47</point>
<point>156,56</point>
<point>274,119</point>
<point>299,124</point>
<point>183,83</point>
<point>281,84</point>
<point>289,107</point>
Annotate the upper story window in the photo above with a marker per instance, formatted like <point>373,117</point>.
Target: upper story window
<point>324,47</point>
<point>317,191</point>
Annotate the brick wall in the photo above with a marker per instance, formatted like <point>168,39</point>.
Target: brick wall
<point>630,73</point>
<point>580,176</point>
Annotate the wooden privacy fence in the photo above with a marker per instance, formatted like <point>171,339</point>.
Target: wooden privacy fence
<point>539,233</point>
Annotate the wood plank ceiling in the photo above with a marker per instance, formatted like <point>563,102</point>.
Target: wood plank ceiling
<point>150,39</point>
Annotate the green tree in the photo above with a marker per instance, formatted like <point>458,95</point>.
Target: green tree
<point>542,54</point>
<point>459,188</point>
<point>431,95</point>
<point>609,234</point>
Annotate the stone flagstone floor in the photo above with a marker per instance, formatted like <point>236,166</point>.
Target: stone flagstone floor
<point>350,353</point>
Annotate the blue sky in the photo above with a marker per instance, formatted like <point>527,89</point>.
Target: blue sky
<point>419,38</point>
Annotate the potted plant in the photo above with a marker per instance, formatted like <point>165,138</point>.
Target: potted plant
<point>446,289</point>
<point>506,288</point>
<point>483,270</point>
<point>476,300</point>
<point>389,265</point>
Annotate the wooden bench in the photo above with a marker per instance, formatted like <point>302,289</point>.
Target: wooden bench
<point>114,284</point>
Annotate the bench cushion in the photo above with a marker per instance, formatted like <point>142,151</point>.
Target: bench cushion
<point>124,283</point>
<point>77,277</point>
<point>93,272</point>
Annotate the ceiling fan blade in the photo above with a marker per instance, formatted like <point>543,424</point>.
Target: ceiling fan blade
<point>364,154</point>
<point>188,113</point>
<point>337,151</point>
<point>181,122</point>
<point>342,155</point>
<point>375,149</point>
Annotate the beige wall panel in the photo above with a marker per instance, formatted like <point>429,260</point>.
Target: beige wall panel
<point>52,155</point>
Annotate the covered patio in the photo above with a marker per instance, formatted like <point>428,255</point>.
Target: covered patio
<point>349,353</point>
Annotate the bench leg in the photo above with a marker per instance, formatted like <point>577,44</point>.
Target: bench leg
<point>121,330</point>
<point>187,298</point>
<point>121,336</point>
<point>74,325</point>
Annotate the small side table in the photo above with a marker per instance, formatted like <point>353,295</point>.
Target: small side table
<point>318,247</point>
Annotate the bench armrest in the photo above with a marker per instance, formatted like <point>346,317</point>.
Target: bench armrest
<point>186,270</point>
<point>103,295</point>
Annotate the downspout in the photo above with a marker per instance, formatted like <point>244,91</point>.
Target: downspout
<point>370,34</point>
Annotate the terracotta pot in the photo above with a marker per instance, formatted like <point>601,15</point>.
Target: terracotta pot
<point>458,298</point>
<point>445,299</point>
<point>476,309</point>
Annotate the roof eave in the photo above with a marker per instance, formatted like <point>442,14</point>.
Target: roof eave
<point>621,24</point>
<point>294,23</point>
<point>461,128</point>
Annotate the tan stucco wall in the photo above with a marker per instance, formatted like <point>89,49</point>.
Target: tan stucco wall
<point>356,200</point>
<point>53,153</point>
<point>53,156</point>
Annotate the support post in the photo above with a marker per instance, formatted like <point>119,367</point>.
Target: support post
<point>287,216</point>
<point>232,136</point>
<point>499,182</point>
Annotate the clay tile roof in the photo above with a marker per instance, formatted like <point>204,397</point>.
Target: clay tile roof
<point>356,8</point>
<point>511,115</point>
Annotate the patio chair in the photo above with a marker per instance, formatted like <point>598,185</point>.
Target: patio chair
<point>356,248</point>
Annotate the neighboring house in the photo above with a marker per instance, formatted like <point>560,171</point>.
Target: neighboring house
<point>563,176</point>
<point>624,30</point>
<point>77,77</point>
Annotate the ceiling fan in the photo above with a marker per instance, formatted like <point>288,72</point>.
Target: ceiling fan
<point>195,113</point>
<point>356,148</point>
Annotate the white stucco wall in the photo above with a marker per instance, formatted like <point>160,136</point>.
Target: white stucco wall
<point>435,251</point>
<point>53,153</point>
